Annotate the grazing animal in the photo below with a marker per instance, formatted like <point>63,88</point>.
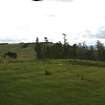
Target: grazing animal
<point>12,55</point>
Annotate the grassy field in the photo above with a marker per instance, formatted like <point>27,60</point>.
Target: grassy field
<point>27,81</point>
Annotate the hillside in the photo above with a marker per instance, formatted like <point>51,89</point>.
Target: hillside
<point>28,81</point>
<point>25,51</point>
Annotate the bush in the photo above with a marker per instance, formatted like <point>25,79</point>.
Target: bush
<point>25,45</point>
<point>47,72</point>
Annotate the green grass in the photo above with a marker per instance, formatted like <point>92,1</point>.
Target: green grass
<point>27,53</point>
<point>27,81</point>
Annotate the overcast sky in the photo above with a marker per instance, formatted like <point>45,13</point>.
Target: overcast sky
<point>24,20</point>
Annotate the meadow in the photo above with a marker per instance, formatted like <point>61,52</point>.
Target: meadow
<point>28,81</point>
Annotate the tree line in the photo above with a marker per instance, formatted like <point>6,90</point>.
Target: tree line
<point>50,50</point>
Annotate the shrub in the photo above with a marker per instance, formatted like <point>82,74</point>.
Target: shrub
<point>47,72</point>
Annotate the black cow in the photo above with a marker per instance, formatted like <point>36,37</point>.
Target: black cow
<point>12,55</point>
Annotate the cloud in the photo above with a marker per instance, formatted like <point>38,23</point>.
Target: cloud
<point>98,34</point>
<point>51,15</point>
<point>9,40</point>
<point>101,33</point>
<point>13,40</point>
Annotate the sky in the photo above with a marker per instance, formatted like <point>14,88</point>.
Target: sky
<point>24,20</point>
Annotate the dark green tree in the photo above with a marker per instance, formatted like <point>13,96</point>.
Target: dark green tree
<point>100,51</point>
<point>38,49</point>
<point>58,50</point>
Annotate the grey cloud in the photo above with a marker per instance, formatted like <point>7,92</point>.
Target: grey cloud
<point>8,40</point>
<point>99,34</point>
<point>11,40</point>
